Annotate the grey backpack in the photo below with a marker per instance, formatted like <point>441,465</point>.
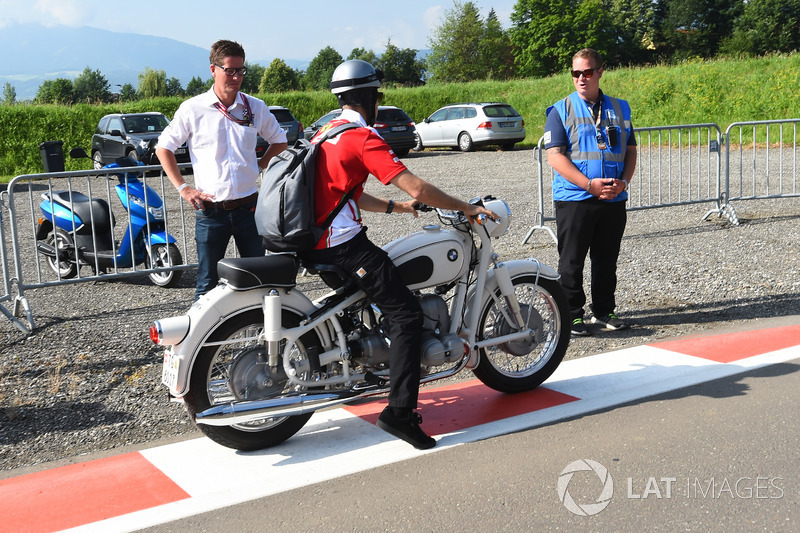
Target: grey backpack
<point>285,209</point>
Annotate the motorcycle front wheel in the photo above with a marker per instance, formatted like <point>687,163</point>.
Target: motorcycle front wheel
<point>523,364</point>
<point>237,371</point>
<point>165,255</point>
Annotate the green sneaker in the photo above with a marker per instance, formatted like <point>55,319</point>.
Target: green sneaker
<point>609,321</point>
<point>579,328</point>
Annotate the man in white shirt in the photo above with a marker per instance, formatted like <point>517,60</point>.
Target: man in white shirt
<point>221,128</point>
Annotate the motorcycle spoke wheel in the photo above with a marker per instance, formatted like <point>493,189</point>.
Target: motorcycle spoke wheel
<point>236,371</point>
<point>523,364</point>
<point>165,255</point>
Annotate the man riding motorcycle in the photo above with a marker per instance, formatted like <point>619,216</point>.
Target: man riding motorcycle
<point>343,164</point>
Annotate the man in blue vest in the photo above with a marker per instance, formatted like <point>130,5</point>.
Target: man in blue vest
<point>590,145</point>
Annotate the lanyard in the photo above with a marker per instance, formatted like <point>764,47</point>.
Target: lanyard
<point>247,119</point>
<point>601,143</point>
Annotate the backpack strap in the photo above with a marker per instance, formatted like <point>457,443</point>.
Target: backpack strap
<point>333,132</point>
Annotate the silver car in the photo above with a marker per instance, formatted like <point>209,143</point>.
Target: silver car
<point>469,125</point>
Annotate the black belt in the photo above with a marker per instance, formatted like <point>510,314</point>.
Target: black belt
<point>228,205</point>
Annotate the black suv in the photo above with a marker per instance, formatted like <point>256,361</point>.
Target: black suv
<point>289,124</point>
<point>392,123</point>
<point>120,135</point>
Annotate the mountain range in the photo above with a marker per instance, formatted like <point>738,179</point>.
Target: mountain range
<point>36,53</point>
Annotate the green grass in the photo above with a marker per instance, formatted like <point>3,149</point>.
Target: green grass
<point>719,91</point>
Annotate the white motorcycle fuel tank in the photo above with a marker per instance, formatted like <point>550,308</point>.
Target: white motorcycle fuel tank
<point>430,257</point>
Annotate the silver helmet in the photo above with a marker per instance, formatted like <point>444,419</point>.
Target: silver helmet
<point>355,74</point>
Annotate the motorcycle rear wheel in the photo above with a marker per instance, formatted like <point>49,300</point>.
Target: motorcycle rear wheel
<point>211,382</point>
<point>165,255</point>
<point>61,265</point>
<point>522,365</point>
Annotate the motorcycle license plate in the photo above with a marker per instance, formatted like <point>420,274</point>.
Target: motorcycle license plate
<point>169,372</point>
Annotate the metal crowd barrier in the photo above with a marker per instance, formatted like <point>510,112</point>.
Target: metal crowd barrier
<point>22,203</point>
<point>761,160</point>
<point>685,164</point>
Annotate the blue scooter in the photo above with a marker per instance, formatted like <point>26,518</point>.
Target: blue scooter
<point>77,231</point>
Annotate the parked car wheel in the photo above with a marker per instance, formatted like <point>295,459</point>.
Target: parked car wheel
<point>465,142</point>
<point>418,145</point>
<point>97,159</point>
<point>507,146</point>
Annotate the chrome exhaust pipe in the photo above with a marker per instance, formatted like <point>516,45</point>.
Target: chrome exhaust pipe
<point>251,411</point>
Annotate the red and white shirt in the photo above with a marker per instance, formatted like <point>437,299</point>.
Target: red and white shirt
<point>343,163</point>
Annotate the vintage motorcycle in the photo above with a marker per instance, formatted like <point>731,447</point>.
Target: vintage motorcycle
<point>255,357</point>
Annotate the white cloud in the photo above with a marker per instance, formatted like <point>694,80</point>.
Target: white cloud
<point>66,12</point>
<point>433,17</point>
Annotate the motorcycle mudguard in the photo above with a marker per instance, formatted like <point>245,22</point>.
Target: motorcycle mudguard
<point>161,237</point>
<point>516,268</point>
<point>220,304</point>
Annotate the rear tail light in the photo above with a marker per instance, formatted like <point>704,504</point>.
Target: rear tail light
<point>169,330</point>
<point>299,126</point>
<point>485,125</point>
<point>379,125</point>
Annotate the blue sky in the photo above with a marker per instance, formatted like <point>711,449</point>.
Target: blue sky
<point>266,28</point>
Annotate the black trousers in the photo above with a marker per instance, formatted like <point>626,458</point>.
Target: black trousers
<point>594,227</point>
<point>376,275</point>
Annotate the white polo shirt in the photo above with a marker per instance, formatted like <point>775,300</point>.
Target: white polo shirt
<point>223,152</point>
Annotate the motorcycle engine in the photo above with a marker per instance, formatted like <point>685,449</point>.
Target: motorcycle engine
<point>438,345</point>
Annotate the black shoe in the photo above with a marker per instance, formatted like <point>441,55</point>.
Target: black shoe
<point>406,427</point>
<point>579,328</point>
<point>610,322</point>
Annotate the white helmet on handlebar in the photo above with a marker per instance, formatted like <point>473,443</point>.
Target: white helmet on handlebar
<point>499,227</point>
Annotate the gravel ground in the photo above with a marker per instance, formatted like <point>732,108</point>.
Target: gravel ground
<point>88,378</point>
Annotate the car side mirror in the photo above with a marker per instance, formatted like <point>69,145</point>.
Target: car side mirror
<point>116,133</point>
<point>427,120</point>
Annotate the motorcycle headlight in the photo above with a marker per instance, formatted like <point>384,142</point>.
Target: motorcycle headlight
<point>156,212</point>
<point>499,227</point>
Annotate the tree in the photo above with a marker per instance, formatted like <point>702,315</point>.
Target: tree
<point>279,78</point>
<point>174,87</point>
<point>252,79</point>
<point>400,66</point>
<point>455,46</point>
<point>9,94</point>
<point>547,33</point>
<point>197,86</point>
<point>541,32</point>
<point>496,51</point>
<point>152,83</point>
<point>57,91</point>
<point>127,93</point>
<point>91,87</point>
<point>637,24</point>
<point>364,55</point>
<point>696,28</point>
<point>320,70</point>
<point>766,26</point>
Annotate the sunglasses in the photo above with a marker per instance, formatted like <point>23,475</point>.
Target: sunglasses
<point>233,71</point>
<point>588,73</point>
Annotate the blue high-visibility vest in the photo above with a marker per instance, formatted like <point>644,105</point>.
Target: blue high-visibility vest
<point>583,149</point>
